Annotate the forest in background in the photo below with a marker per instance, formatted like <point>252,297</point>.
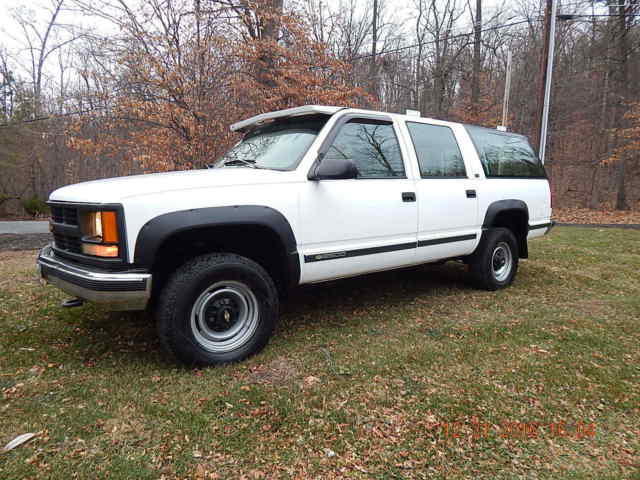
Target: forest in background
<point>158,89</point>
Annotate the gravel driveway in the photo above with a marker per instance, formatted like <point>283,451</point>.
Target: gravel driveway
<point>24,227</point>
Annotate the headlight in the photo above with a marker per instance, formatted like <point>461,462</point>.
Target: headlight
<point>100,233</point>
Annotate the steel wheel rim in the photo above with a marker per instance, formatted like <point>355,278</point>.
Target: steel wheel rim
<point>501,261</point>
<point>225,316</point>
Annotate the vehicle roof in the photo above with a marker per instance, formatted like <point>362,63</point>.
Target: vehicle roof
<point>289,112</point>
<point>495,131</point>
<point>331,110</point>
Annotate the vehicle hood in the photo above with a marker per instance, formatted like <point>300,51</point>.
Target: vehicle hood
<point>114,190</point>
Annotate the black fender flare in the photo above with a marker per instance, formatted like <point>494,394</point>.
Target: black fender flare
<point>159,229</point>
<point>500,206</point>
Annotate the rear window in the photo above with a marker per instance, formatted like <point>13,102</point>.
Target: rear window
<point>505,155</point>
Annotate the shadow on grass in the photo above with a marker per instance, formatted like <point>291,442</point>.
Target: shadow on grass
<point>385,290</point>
<point>99,337</point>
<point>130,337</point>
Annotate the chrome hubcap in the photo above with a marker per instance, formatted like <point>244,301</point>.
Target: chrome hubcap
<point>501,261</point>
<point>225,316</point>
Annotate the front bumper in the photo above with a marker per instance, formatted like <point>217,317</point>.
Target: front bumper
<point>119,290</point>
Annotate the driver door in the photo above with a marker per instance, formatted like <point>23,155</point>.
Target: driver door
<point>360,225</point>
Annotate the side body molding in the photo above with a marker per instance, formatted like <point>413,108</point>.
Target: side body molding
<point>157,230</point>
<point>505,207</point>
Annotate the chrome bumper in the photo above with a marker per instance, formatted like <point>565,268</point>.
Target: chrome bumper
<point>119,290</point>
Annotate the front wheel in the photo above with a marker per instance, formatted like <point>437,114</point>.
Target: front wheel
<point>494,264</point>
<point>216,309</point>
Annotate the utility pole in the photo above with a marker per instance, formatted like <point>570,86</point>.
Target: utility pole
<point>544,83</point>
<point>374,46</point>
<point>548,81</point>
<point>507,91</point>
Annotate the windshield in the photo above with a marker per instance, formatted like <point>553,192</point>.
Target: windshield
<point>277,146</point>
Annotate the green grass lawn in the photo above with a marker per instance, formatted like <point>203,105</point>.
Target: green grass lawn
<point>409,374</point>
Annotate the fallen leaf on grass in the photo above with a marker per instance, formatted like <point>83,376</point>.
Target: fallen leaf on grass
<point>310,381</point>
<point>278,372</point>
<point>588,216</point>
<point>329,453</point>
<point>19,440</point>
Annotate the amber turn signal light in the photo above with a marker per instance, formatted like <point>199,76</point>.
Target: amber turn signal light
<point>109,227</point>
<point>100,250</point>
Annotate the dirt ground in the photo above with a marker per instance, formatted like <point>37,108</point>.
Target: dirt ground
<point>32,241</point>
<point>585,216</point>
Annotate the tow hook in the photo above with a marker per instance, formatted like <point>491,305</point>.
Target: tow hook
<point>72,302</point>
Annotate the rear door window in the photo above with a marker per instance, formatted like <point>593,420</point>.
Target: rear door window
<point>437,151</point>
<point>505,155</point>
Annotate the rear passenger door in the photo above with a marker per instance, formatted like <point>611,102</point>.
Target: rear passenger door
<point>446,192</point>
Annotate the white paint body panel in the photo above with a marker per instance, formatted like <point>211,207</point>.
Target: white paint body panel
<point>145,197</point>
<point>345,215</point>
<point>333,215</point>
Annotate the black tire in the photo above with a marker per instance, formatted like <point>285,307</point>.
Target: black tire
<point>210,297</point>
<point>485,263</point>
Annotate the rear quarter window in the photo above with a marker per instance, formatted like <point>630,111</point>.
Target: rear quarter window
<point>505,154</point>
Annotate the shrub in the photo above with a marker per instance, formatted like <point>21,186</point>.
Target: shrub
<point>34,206</point>
<point>5,198</point>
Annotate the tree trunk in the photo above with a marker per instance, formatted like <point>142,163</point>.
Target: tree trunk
<point>475,79</point>
<point>621,194</point>
<point>542,78</point>
<point>622,88</point>
<point>269,33</point>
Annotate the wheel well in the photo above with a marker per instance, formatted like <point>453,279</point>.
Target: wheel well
<point>259,243</point>
<point>515,220</point>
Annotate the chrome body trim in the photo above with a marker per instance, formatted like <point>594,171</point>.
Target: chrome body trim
<point>118,290</point>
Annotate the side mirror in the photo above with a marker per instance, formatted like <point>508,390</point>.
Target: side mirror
<point>334,169</point>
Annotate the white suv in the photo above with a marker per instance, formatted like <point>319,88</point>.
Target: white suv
<point>310,194</point>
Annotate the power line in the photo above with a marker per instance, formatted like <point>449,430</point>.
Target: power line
<point>446,37</point>
<point>383,52</point>
<point>49,117</point>
<point>571,16</point>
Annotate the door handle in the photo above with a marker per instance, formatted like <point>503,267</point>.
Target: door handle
<point>408,196</point>
<point>471,194</point>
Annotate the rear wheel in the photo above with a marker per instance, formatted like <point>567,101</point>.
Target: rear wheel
<point>217,308</point>
<point>495,262</point>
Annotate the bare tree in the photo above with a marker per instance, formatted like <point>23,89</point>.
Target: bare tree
<point>41,42</point>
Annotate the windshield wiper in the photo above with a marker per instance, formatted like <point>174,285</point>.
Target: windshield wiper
<point>240,161</point>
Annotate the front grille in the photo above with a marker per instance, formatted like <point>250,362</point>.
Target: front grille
<point>67,242</point>
<point>67,215</point>
<point>65,238</point>
<point>66,219</point>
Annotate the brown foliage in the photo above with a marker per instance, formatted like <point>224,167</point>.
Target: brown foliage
<point>628,137</point>
<point>184,90</point>
<point>589,216</point>
<point>488,111</point>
